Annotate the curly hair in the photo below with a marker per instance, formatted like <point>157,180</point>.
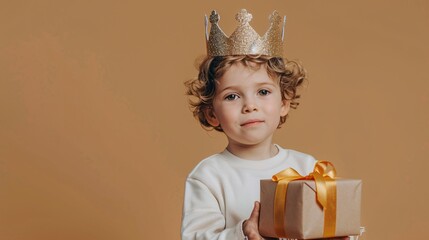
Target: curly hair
<point>201,90</point>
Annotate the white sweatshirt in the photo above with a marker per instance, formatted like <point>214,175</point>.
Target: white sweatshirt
<point>221,190</point>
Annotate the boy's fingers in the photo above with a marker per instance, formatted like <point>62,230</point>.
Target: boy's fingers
<point>254,216</point>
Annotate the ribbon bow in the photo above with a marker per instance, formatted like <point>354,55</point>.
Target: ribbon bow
<point>324,175</point>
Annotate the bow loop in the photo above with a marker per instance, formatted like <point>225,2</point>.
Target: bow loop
<point>325,168</point>
<point>288,173</point>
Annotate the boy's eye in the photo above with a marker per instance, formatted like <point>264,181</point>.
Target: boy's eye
<point>231,97</point>
<point>264,92</point>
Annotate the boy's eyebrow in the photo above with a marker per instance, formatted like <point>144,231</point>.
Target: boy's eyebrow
<point>267,83</point>
<point>237,86</point>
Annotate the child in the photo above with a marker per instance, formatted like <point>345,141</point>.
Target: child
<point>244,89</point>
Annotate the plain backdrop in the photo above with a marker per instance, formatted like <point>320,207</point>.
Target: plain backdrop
<point>96,137</point>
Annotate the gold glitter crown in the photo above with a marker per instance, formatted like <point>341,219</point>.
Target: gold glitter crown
<point>244,40</point>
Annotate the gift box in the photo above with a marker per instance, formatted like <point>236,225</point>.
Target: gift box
<point>303,215</point>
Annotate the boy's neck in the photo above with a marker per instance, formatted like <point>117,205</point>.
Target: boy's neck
<point>253,152</point>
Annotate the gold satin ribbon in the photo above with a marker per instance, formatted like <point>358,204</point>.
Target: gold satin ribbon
<point>324,175</point>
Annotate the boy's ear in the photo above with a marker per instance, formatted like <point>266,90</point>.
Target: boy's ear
<point>285,108</point>
<point>211,117</point>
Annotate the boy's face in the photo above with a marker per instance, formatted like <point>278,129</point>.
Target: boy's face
<point>247,105</point>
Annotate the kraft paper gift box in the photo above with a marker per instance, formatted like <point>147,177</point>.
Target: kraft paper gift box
<point>304,216</point>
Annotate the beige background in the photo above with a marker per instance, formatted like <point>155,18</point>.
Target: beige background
<point>96,137</point>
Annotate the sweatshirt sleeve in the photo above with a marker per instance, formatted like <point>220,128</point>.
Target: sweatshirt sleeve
<point>202,217</point>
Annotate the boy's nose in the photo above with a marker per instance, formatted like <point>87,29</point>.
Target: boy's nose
<point>249,106</point>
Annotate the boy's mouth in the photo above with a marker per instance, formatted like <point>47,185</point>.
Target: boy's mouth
<point>251,122</point>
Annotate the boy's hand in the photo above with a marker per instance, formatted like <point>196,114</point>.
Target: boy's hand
<point>250,226</point>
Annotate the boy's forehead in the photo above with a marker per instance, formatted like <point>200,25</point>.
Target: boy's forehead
<point>244,69</point>
<point>250,65</point>
<point>237,72</point>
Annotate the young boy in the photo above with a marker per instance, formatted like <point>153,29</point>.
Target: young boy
<point>244,89</point>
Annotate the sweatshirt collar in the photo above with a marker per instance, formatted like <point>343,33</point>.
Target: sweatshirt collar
<point>255,164</point>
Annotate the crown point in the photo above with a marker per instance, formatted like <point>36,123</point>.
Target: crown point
<point>275,17</point>
<point>214,17</point>
<point>243,17</point>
